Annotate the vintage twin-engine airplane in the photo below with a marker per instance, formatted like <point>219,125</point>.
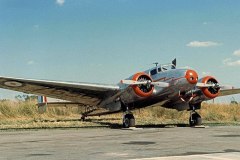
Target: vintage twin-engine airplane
<point>163,85</point>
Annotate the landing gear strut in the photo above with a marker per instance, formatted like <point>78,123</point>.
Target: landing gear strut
<point>128,118</point>
<point>195,119</point>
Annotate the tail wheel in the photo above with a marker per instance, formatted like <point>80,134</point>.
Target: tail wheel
<point>128,121</point>
<point>195,120</point>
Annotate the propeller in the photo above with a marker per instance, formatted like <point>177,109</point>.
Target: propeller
<point>214,85</point>
<point>147,82</point>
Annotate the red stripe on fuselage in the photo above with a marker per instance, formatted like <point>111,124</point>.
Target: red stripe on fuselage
<point>166,79</point>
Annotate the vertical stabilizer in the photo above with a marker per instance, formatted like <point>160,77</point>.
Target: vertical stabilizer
<point>174,63</point>
<point>42,104</point>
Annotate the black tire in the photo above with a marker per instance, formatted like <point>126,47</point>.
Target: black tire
<point>83,118</point>
<point>128,121</point>
<point>196,120</point>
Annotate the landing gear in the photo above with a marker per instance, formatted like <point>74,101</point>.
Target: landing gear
<point>88,109</point>
<point>83,117</point>
<point>128,120</point>
<point>195,119</point>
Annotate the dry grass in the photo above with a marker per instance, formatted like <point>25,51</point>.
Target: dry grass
<point>25,115</point>
<point>221,112</point>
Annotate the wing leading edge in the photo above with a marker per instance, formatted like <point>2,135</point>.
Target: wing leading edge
<point>226,92</point>
<point>85,93</point>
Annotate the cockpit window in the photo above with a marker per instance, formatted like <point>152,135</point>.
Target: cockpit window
<point>153,72</point>
<point>159,69</point>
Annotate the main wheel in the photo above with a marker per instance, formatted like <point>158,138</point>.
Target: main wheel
<point>128,121</point>
<point>196,120</point>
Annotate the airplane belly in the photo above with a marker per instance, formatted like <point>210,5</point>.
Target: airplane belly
<point>130,96</point>
<point>114,106</point>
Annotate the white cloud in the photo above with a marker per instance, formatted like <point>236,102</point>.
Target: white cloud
<point>227,60</point>
<point>31,62</point>
<point>60,2</point>
<point>230,62</point>
<point>236,53</point>
<point>202,44</point>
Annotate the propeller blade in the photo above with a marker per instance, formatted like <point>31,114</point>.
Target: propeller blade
<point>226,87</point>
<point>203,85</point>
<point>131,82</point>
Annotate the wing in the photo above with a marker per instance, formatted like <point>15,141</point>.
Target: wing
<point>226,92</point>
<point>85,93</point>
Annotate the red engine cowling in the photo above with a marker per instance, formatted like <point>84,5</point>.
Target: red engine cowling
<point>142,90</point>
<point>210,92</point>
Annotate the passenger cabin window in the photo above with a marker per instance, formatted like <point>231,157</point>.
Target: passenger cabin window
<point>153,72</point>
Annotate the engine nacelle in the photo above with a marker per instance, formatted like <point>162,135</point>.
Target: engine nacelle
<point>210,92</point>
<point>142,90</point>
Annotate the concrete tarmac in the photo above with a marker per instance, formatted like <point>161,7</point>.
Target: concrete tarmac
<point>104,143</point>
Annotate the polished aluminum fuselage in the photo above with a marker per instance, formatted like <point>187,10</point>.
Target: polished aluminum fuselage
<point>161,96</point>
<point>166,97</point>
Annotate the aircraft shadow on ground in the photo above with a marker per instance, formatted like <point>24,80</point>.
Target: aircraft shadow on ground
<point>118,126</point>
<point>103,123</point>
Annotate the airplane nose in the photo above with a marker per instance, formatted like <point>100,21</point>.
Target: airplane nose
<point>191,76</point>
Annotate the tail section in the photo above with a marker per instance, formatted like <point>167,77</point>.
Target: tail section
<point>42,104</point>
<point>42,99</point>
<point>174,63</point>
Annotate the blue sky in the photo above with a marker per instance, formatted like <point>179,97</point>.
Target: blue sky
<point>107,40</point>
